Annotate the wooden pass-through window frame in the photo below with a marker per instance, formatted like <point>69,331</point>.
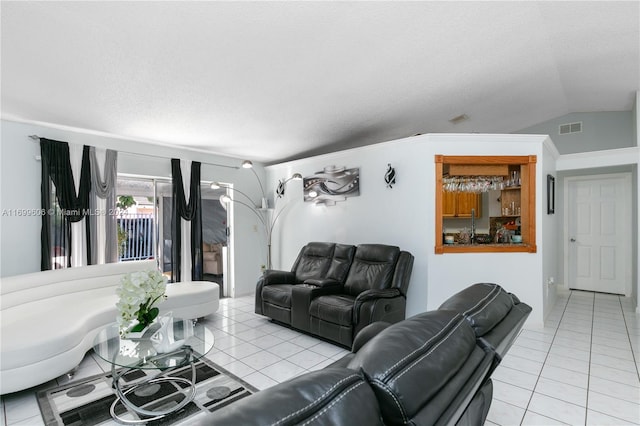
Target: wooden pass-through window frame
<point>480,165</point>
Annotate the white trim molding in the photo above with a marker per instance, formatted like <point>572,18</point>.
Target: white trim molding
<point>594,159</point>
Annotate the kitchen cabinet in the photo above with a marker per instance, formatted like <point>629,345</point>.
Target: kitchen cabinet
<point>510,201</point>
<point>459,204</point>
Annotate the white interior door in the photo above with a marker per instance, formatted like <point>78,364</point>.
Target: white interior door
<point>599,225</point>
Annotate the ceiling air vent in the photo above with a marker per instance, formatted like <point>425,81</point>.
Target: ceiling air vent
<point>459,119</point>
<point>565,129</point>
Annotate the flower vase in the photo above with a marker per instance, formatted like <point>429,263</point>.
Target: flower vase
<point>163,339</point>
<point>136,332</point>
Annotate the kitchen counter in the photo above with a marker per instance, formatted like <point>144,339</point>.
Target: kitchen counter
<point>487,248</point>
<point>483,244</point>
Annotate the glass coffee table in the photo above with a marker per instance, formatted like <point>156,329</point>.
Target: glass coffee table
<point>190,341</point>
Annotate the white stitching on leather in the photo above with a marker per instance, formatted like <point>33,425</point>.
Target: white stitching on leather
<point>421,346</point>
<point>334,402</point>
<point>488,303</point>
<point>317,399</point>
<point>385,388</point>
<point>413,364</point>
<point>465,313</point>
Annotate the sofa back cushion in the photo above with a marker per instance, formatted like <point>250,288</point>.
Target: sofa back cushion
<point>484,305</point>
<point>373,267</point>
<point>414,366</point>
<point>341,262</point>
<point>313,261</point>
<point>331,396</point>
<point>20,289</point>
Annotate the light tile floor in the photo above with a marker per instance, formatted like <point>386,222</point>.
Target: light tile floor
<point>582,368</point>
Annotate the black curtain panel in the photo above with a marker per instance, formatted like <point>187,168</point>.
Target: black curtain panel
<point>191,211</point>
<point>57,178</point>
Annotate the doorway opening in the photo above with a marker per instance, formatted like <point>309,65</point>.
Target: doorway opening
<point>146,229</point>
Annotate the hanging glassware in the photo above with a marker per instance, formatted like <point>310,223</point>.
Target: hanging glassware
<point>474,184</point>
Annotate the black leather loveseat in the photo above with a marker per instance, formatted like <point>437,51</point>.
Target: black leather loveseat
<point>335,290</point>
<point>430,369</point>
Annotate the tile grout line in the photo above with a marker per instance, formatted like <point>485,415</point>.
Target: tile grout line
<point>586,408</point>
<point>626,327</point>
<point>545,359</point>
<point>589,376</point>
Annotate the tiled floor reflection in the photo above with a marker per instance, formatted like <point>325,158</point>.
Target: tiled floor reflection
<point>581,369</point>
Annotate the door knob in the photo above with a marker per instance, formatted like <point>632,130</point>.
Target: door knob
<point>573,240</point>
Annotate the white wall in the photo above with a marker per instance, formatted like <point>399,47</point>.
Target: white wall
<point>404,216</point>
<point>636,211</point>
<point>551,224</point>
<point>20,189</point>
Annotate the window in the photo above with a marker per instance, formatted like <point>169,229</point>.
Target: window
<point>136,218</point>
<point>462,183</point>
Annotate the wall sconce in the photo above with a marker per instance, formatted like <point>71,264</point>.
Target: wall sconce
<point>390,176</point>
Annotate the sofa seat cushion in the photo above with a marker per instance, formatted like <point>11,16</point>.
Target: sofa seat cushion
<point>334,308</point>
<point>409,363</point>
<point>278,294</point>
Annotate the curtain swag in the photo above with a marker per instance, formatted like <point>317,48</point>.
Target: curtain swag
<point>56,170</point>
<point>104,189</point>
<point>191,211</point>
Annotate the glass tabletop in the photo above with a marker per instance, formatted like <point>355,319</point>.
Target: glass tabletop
<point>142,353</point>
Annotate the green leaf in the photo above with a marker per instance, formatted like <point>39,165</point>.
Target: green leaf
<point>138,327</point>
<point>153,313</point>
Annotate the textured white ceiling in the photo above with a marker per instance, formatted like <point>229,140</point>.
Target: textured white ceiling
<point>279,80</point>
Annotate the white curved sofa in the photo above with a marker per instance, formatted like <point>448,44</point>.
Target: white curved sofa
<point>48,320</point>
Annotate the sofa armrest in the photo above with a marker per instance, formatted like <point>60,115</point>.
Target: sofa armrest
<point>272,276</point>
<point>373,295</point>
<point>378,294</point>
<point>324,282</point>
<point>269,277</point>
<point>368,333</point>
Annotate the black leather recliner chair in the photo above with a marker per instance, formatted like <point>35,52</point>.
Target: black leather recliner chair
<point>431,369</point>
<point>334,290</point>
